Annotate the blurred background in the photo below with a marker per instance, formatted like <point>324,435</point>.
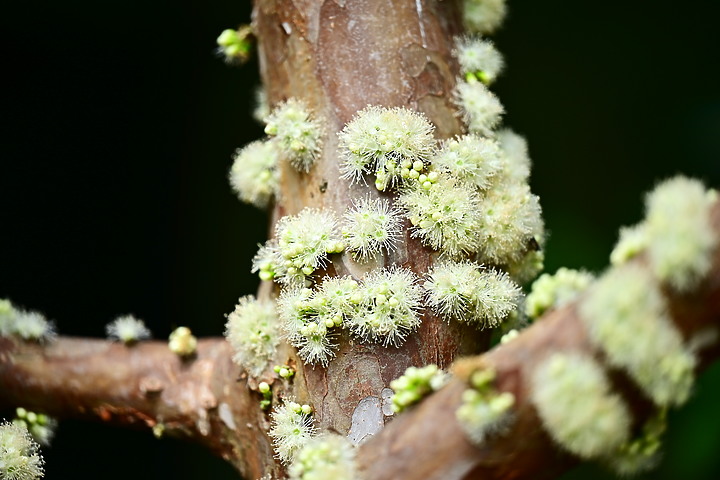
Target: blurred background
<point>120,123</point>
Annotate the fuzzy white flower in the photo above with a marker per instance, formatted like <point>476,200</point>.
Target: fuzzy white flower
<point>388,306</point>
<point>483,16</point>
<point>127,329</point>
<point>450,288</point>
<point>479,58</point>
<point>296,132</point>
<point>577,407</point>
<point>328,457</point>
<point>291,428</point>
<point>681,237</point>
<point>308,317</point>
<point>302,245</point>
<point>20,457</point>
<point>253,332</point>
<point>510,222</point>
<point>467,292</point>
<point>369,226</point>
<point>385,141</point>
<point>254,175</point>
<point>32,326</point>
<point>626,316</point>
<point>445,216</point>
<point>470,159</point>
<point>480,108</point>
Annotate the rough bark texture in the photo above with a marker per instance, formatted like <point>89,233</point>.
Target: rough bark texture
<point>338,56</point>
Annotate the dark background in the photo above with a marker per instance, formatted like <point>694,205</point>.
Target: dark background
<point>119,124</point>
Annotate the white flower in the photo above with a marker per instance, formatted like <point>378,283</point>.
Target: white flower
<point>481,110</point>
<point>479,58</point>
<point>470,159</point>
<point>369,226</point>
<point>127,329</point>
<point>20,458</point>
<point>254,175</point>
<point>253,331</point>
<point>445,216</point>
<point>388,305</point>
<point>385,141</point>
<point>296,132</point>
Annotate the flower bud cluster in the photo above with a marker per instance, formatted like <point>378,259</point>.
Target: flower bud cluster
<point>415,384</point>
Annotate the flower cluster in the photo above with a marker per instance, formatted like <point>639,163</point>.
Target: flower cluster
<point>446,216</point>
<point>308,317</point>
<point>369,226</point>
<point>254,174</point>
<point>386,142</point>
<point>388,305</point>
<point>470,159</point>
<point>681,238</point>
<point>28,325</point>
<point>676,233</point>
<point>20,458</point>
<point>484,410</point>
<point>472,294</point>
<point>297,134</point>
<point>511,217</point>
<point>415,384</point>
<point>253,332</point>
<point>573,398</point>
<point>327,457</point>
<point>554,291</point>
<point>622,304</point>
<point>478,58</point>
<point>291,428</point>
<point>302,245</point>
<point>127,329</point>
<point>481,110</point>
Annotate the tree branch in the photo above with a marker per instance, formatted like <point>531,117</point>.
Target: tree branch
<point>142,386</point>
